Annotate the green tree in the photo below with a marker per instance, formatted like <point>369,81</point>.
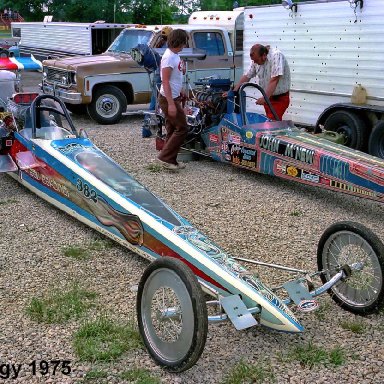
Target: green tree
<point>153,12</point>
<point>31,10</point>
<point>228,5</point>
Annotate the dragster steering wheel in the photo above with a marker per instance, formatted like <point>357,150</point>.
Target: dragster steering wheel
<point>36,105</point>
<point>242,101</point>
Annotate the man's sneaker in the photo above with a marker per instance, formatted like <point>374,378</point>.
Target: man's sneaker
<point>170,166</point>
<point>181,165</point>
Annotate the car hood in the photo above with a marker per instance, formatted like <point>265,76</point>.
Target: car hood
<point>105,63</point>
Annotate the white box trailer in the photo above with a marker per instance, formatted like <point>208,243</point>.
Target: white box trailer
<point>58,39</point>
<point>332,46</point>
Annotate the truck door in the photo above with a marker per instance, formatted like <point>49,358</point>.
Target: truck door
<point>218,61</point>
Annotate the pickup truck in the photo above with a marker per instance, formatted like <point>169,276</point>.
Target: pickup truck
<point>105,84</point>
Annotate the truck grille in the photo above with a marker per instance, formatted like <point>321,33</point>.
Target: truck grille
<point>60,76</point>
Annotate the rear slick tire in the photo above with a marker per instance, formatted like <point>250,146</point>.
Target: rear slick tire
<point>348,243</point>
<point>172,314</point>
<point>350,125</point>
<point>376,140</point>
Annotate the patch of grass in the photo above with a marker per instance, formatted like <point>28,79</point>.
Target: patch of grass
<point>103,340</point>
<point>296,213</point>
<point>101,244</point>
<point>311,355</point>
<point>244,372</point>
<point>94,375</point>
<point>353,326</point>
<point>321,312</point>
<point>59,306</point>
<point>154,168</point>
<point>139,376</point>
<point>77,253</point>
<point>337,356</point>
<point>8,201</point>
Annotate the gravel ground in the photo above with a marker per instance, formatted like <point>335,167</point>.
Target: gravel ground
<point>249,215</point>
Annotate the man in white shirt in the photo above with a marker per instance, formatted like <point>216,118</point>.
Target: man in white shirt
<point>272,69</point>
<point>170,99</point>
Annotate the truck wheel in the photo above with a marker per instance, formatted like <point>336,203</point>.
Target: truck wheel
<point>107,105</point>
<point>376,140</point>
<point>3,53</point>
<point>350,125</point>
<point>76,109</point>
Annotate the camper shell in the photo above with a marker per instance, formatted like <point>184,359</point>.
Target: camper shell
<point>233,21</point>
<point>335,49</point>
<point>58,39</point>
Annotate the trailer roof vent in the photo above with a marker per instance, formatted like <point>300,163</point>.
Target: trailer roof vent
<point>289,4</point>
<point>355,3</point>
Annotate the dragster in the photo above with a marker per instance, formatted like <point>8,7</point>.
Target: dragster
<point>42,150</point>
<point>224,130</point>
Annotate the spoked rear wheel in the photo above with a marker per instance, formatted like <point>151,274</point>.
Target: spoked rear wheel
<point>172,314</point>
<point>352,244</point>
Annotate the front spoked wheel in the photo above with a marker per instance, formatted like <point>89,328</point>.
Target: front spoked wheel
<point>172,314</point>
<point>355,247</point>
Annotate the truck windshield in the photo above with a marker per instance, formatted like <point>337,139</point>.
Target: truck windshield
<point>129,39</point>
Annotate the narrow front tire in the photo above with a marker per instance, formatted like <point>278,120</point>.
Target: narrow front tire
<point>352,244</point>
<point>172,314</point>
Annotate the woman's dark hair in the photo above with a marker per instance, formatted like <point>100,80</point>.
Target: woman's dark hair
<point>177,38</point>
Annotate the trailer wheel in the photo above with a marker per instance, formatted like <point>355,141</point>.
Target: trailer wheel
<point>376,140</point>
<point>355,247</point>
<point>172,314</point>
<point>350,125</point>
<point>108,104</point>
<point>76,109</point>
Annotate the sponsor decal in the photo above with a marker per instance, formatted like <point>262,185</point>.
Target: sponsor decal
<point>243,156</point>
<point>307,305</point>
<point>227,157</point>
<point>292,171</point>
<point>71,147</point>
<point>249,134</point>
<point>213,138</point>
<point>286,149</point>
<point>310,177</point>
<point>350,188</point>
<point>224,147</point>
<point>184,230</point>
<point>234,139</point>
<point>48,181</point>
